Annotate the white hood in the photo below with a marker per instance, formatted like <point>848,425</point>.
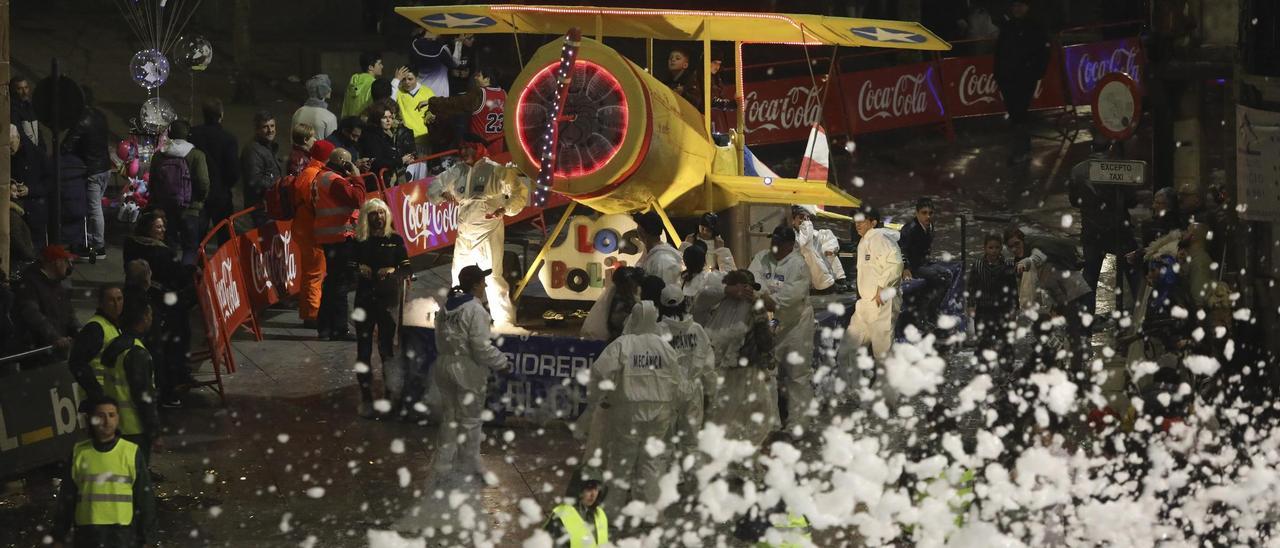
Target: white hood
<point>178,148</point>
<point>643,320</point>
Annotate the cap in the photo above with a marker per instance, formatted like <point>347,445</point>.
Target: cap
<point>470,275</point>
<point>801,210</point>
<point>321,150</point>
<point>709,219</point>
<point>672,296</point>
<point>783,235</point>
<point>649,222</point>
<point>54,252</point>
<point>736,277</point>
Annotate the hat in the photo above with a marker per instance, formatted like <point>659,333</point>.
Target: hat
<point>672,296</point>
<point>319,86</point>
<point>470,275</point>
<point>321,150</point>
<point>736,277</point>
<point>649,222</point>
<point>783,235</point>
<point>801,210</point>
<point>52,253</point>
<point>709,219</point>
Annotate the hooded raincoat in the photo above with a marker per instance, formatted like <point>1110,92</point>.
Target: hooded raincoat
<point>697,379</point>
<point>635,384</point>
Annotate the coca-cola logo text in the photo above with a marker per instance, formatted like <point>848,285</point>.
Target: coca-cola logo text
<point>224,284</point>
<point>1089,71</point>
<point>284,266</point>
<point>906,97</point>
<point>425,222</point>
<point>981,87</point>
<point>800,107</point>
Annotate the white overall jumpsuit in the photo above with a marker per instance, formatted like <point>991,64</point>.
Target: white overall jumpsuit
<point>809,246</point>
<point>787,281</point>
<point>466,357</point>
<point>481,191</point>
<point>697,385</point>
<point>719,258</point>
<point>662,261</point>
<point>743,392</point>
<point>829,245</point>
<point>879,270</point>
<point>635,384</point>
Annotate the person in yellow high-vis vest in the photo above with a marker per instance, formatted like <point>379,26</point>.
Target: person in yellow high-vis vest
<point>582,523</point>
<point>106,499</point>
<point>125,373</point>
<point>87,346</point>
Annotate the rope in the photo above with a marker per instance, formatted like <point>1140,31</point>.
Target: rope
<point>515,35</point>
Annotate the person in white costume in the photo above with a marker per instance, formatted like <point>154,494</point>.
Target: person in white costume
<point>810,249</point>
<point>635,384</point>
<point>697,382</point>
<point>745,398</point>
<point>785,278</point>
<point>695,279</point>
<point>659,258</point>
<point>879,281</point>
<point>466,358</point>
<point>485,192</point>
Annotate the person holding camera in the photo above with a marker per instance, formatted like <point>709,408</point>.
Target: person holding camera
<point>326,200</point>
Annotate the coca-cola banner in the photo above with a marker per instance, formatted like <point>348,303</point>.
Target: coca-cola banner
<point>269,259</point>
<point>893,97</point>
<point>970,87</point>
<point>779,111</point>
<point>224,274</point>
<point>1086,64</point>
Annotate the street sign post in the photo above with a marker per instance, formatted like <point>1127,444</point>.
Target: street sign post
<point>1117,172</point>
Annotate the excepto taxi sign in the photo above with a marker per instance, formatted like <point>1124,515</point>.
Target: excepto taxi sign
<point>1117,172</point>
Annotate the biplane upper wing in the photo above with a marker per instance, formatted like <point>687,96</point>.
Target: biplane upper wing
<point>661,24</point>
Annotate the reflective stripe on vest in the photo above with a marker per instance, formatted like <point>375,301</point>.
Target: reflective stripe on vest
<point>109,333</point>
<point>794,521</point>
<point>333,220</point>
<point>116,385</point>
<point>105,483</point>
<point>576,527</point>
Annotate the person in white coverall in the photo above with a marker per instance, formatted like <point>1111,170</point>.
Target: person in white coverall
<point>635,383</point>
<point>785,278</point>
<point>466,358</point>
<point>659,258</point>
<point>485,192</point>
<point>745,398</point>
<point>719,257</point>
<point>693,348</point>
<point>810,249</point>
<point>879,283</point>
<point>695,279</point>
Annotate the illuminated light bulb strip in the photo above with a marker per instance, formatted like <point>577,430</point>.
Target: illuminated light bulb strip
<point>564,76</point>
<point>660,13</point>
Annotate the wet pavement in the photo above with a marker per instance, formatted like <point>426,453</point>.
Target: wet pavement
<point>287,462</point>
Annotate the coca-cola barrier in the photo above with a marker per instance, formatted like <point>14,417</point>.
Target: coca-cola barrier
<point>920,94</point>
<point>258,268</point>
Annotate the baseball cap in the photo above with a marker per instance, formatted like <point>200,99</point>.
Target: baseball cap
<point>672,296</point>
<point>54,252</point>
<point>649,222</point>
<point>783,235</point>
<point>735,277</point>
<point>471,274</point>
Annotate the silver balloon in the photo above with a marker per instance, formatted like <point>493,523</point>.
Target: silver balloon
<point>195,52</point>
<point>149,68</point>
<point>156,114</point>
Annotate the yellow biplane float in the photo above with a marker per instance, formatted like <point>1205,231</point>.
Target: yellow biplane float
<point>595,127</point>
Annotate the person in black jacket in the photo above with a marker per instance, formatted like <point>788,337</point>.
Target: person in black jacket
<point>124,353</point>
<point>170,276</point>
<point>89,143</point>
<point>92,339</point>
<point>221,152</point>
<point>1105,226</point>
<point>380,258</point>
<point>382,142</point>
<point>42,311</point>
<point>1022,53</point>
<point>992,287</point>
<point>74,199</point>
<point>916,243</point>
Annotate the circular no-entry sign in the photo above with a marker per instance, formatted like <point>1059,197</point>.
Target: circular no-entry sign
<point>1117,106</point>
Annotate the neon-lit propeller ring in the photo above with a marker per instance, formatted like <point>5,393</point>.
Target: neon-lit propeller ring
<point>593,123</point>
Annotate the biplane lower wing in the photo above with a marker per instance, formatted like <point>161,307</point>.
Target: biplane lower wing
<point>764,190</point>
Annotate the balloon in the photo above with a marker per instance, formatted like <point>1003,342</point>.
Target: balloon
<point>133,167</point>
<point>157,113</point>
<point>149,69</point>
<point>124,150</point>
<point>195,52</point>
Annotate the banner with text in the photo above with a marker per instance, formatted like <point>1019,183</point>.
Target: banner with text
<point>224,272</point>
<point>269,258</point>
<point>1086,64</point>
<point>39,418</point>
<point>780,111</point>
<point>893,97</point>
<point>970,88</point>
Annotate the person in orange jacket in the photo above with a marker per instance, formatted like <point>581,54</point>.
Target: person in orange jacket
<point>339,193</point>
<point>324,205</point>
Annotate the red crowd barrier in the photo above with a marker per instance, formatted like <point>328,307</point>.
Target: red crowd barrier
<point>922,94</point>
<point>255,269</point>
